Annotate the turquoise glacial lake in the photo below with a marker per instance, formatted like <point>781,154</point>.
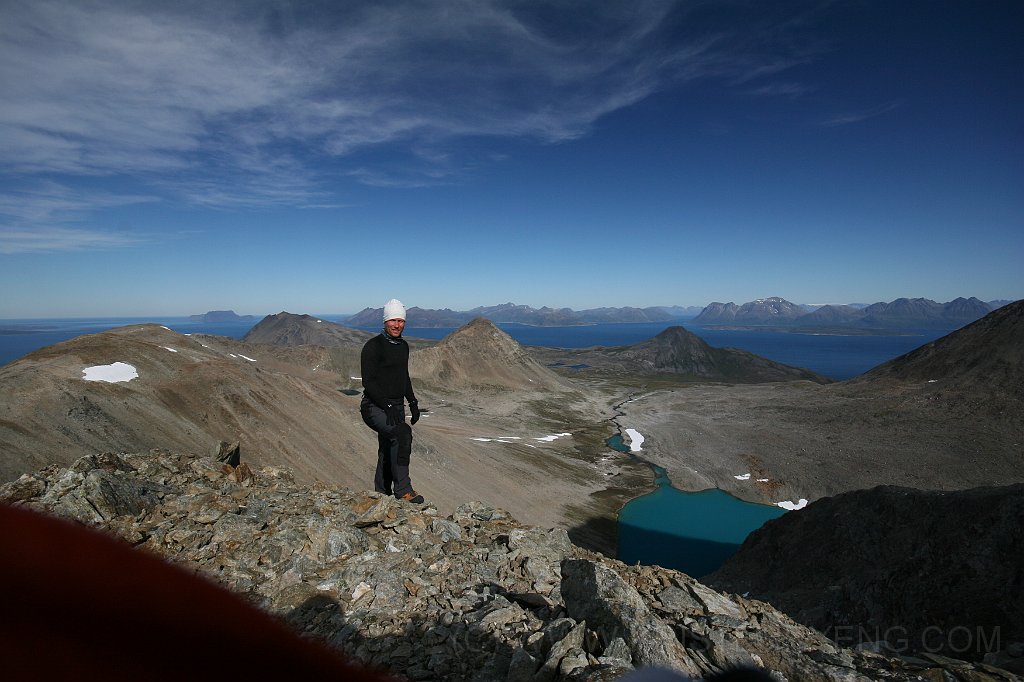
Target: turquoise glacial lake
<point>690,532</point>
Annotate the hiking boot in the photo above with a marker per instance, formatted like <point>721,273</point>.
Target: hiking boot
<point>412,497</point>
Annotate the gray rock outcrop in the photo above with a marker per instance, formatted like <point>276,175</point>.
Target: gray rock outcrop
<point>470,596</point>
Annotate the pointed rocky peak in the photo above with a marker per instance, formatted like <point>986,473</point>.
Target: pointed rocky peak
<point>479,353</point>
<point>677,335</point>
<point>480,334</point>
<point>681,352</point>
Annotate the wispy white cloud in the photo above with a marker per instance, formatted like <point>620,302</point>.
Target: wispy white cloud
<point>852,117</point>
<point>782,89</point>
<point>48,202</point>
<point>36,240</point>
<point>237,103</point>
<point>44,217</point>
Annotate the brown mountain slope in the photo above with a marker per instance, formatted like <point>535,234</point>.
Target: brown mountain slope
<point>527,443</point>
<point>480,355</point>
<point>190,393</point>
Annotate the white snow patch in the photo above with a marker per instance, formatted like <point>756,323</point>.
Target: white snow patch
<point>932,381</point>
<point>635,440</point>
<point>356,378</point>
<point>742,477</point>
<point>512,440</point>
<point>112,374</point>
<point>548,439</point>
<point>790,505</point>
<point>173,350</point>
<point>167,328</point>
<point>245,358</point>
<point>762,480</point>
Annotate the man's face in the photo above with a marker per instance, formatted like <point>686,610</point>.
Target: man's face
<point>394,327</point>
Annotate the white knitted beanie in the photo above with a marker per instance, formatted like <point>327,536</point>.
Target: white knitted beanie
<point>394,310</point>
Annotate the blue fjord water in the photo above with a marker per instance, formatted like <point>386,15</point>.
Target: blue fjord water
<point>691,532</point>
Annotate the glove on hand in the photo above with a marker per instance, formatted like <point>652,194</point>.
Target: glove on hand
<point>414,408</point>
<point>394,413</point>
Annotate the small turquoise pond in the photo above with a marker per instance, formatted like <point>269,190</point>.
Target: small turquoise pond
<point>690,532</point>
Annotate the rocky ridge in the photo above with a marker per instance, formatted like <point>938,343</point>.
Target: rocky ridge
<point>472,595</point>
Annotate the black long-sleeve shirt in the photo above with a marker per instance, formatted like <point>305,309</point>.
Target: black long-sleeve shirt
<point>384,364</point>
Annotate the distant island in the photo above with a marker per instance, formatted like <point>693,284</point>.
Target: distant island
<point>221,317</point>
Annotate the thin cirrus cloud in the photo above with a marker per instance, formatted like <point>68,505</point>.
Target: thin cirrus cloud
<point>45,239</point>
<point>218,102</point>
<point>42,218</point>
<point>852,117</point>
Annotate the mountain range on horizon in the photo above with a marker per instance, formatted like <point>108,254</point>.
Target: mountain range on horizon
<point>511,313</point>
<point>774,311</point>
<point>902,313</point>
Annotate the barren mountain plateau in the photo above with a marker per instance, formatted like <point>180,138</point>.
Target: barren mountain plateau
<point>524,429</point>
<point>496,438</point>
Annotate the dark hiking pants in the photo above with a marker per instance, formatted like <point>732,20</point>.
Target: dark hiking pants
<point>394,445</point>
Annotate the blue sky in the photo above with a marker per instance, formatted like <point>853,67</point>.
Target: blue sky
<point>172,158</point>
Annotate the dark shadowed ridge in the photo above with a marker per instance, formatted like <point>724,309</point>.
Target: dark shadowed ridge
<point>988,354</point>
<point>916,566</point>
<point>678,351</point>
<point>289,329</point>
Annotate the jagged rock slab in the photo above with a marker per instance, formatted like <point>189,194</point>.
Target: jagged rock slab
<point>470,596</point>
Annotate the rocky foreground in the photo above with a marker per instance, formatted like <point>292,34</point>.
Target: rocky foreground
<point>470,596</point>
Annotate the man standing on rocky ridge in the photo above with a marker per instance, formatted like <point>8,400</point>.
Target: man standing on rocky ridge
<point>386,386</point>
